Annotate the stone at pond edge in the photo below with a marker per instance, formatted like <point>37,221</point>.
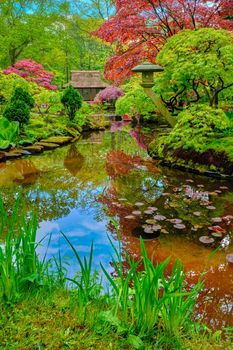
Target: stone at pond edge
<point>47,145</point>
<point>34,149</point>
<point>60,140</point>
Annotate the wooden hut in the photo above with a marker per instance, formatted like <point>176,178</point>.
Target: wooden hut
<point>88,83</point>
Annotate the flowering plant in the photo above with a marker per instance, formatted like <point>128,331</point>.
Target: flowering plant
<point>32,72</point>
<point>110,94</point>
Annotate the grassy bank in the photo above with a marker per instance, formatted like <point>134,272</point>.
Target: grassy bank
<point>41,308</point>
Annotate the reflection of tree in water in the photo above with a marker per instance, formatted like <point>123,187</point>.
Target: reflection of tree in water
<point>74,160</point>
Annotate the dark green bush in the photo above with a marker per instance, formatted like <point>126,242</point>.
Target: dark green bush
<point>18,111</point>
<point>22,95</point>
<point>72,101</point>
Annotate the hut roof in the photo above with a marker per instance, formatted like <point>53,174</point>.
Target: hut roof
<point>86,79</point>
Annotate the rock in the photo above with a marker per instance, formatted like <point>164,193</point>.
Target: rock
<point>34,149</point>
<point>13,154</point>
<point>47,145</point>
<point>60,140</point>
<point>2,155</point>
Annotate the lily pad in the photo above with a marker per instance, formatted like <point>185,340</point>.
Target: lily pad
<point>217,229</point>
<point>136,212</point>
<point>160,217</point>
<point>217,234</point>
<point>148,230</point>
<point>175,221</point>
<point>148,212</point>
<point>229,258</point>
<point>216,220</point>
<point>197,213</point>
<point>206,239</point>
<point>180,226</point>
<point>227,218</point>
<point>156,227</point>
<point>151,221</point>
<point>152,208</point>
<point>139,204</point>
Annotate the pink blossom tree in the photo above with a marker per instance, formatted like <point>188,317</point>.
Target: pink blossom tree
<point>110,94</point>
<point>32,71</point>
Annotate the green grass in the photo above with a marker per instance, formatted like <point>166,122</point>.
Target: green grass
<point>42,309</point>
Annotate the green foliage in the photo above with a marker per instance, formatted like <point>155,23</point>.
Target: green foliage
<point>72,101</point>
<point>8,132</point>
<point>198,67</point>
<point>22,95</point>
<point>17,111</point>
<point>82,114</point>
<point>141,299</point>
<point>196,126</point>
<point>10,82</point>
<point>20,268</point>
<point>134,102</point>
<point>48,101</point>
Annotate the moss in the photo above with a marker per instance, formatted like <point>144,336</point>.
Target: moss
<point>198,141</point>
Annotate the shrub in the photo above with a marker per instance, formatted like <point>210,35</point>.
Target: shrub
<point>110,94</point>
<point>22,95</point>
<point>8,84</point>
<point>8,132</point>
<point>196,127</point>
<point>134,102</point>
<point>72,101</point>
<point>48,101</point>
<point>32,72</point>
<point>17,111</point>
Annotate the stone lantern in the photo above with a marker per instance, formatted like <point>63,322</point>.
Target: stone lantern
<point>148,69</point>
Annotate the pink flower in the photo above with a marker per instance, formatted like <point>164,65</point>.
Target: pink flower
<point>32,71</point>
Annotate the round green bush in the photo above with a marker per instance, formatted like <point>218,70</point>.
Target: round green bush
<point>22,95</point>
<point>195,127</point>
<point>134,102</point>
<point>72,101</point>
<point>18,111</point>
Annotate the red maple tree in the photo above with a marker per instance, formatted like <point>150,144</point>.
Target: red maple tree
<point>140,28</point>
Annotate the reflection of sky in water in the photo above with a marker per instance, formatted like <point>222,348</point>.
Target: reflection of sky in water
<point>81,229</point>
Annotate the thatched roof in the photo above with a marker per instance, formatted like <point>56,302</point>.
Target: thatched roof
<point>86,79</point>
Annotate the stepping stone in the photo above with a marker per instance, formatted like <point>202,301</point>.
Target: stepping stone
<point>47,145</point>
<point>34,149</point>
<point>60,140</point>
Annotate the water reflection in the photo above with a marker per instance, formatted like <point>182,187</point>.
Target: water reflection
<point>75,189</point>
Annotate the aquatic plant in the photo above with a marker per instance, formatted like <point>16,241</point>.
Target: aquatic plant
<point>20,267</point>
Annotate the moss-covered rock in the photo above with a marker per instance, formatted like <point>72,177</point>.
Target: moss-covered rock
<point>198,142</point>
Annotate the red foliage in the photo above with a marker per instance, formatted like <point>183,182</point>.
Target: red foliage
<point>140,28</point>
<point>32,71</point>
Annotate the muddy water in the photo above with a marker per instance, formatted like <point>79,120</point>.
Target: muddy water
<point>77,188</point>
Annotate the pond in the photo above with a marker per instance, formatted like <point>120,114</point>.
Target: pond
<point>76,189</point>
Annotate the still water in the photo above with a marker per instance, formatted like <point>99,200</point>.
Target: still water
<point>76,189</point>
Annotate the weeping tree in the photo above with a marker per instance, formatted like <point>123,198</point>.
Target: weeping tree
<point>198,67</point>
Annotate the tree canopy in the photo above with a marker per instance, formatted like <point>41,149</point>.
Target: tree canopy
<point>197,67</point>
<point>140,28</point>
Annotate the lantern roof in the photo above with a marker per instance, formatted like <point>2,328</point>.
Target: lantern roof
<point>147,67</point>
